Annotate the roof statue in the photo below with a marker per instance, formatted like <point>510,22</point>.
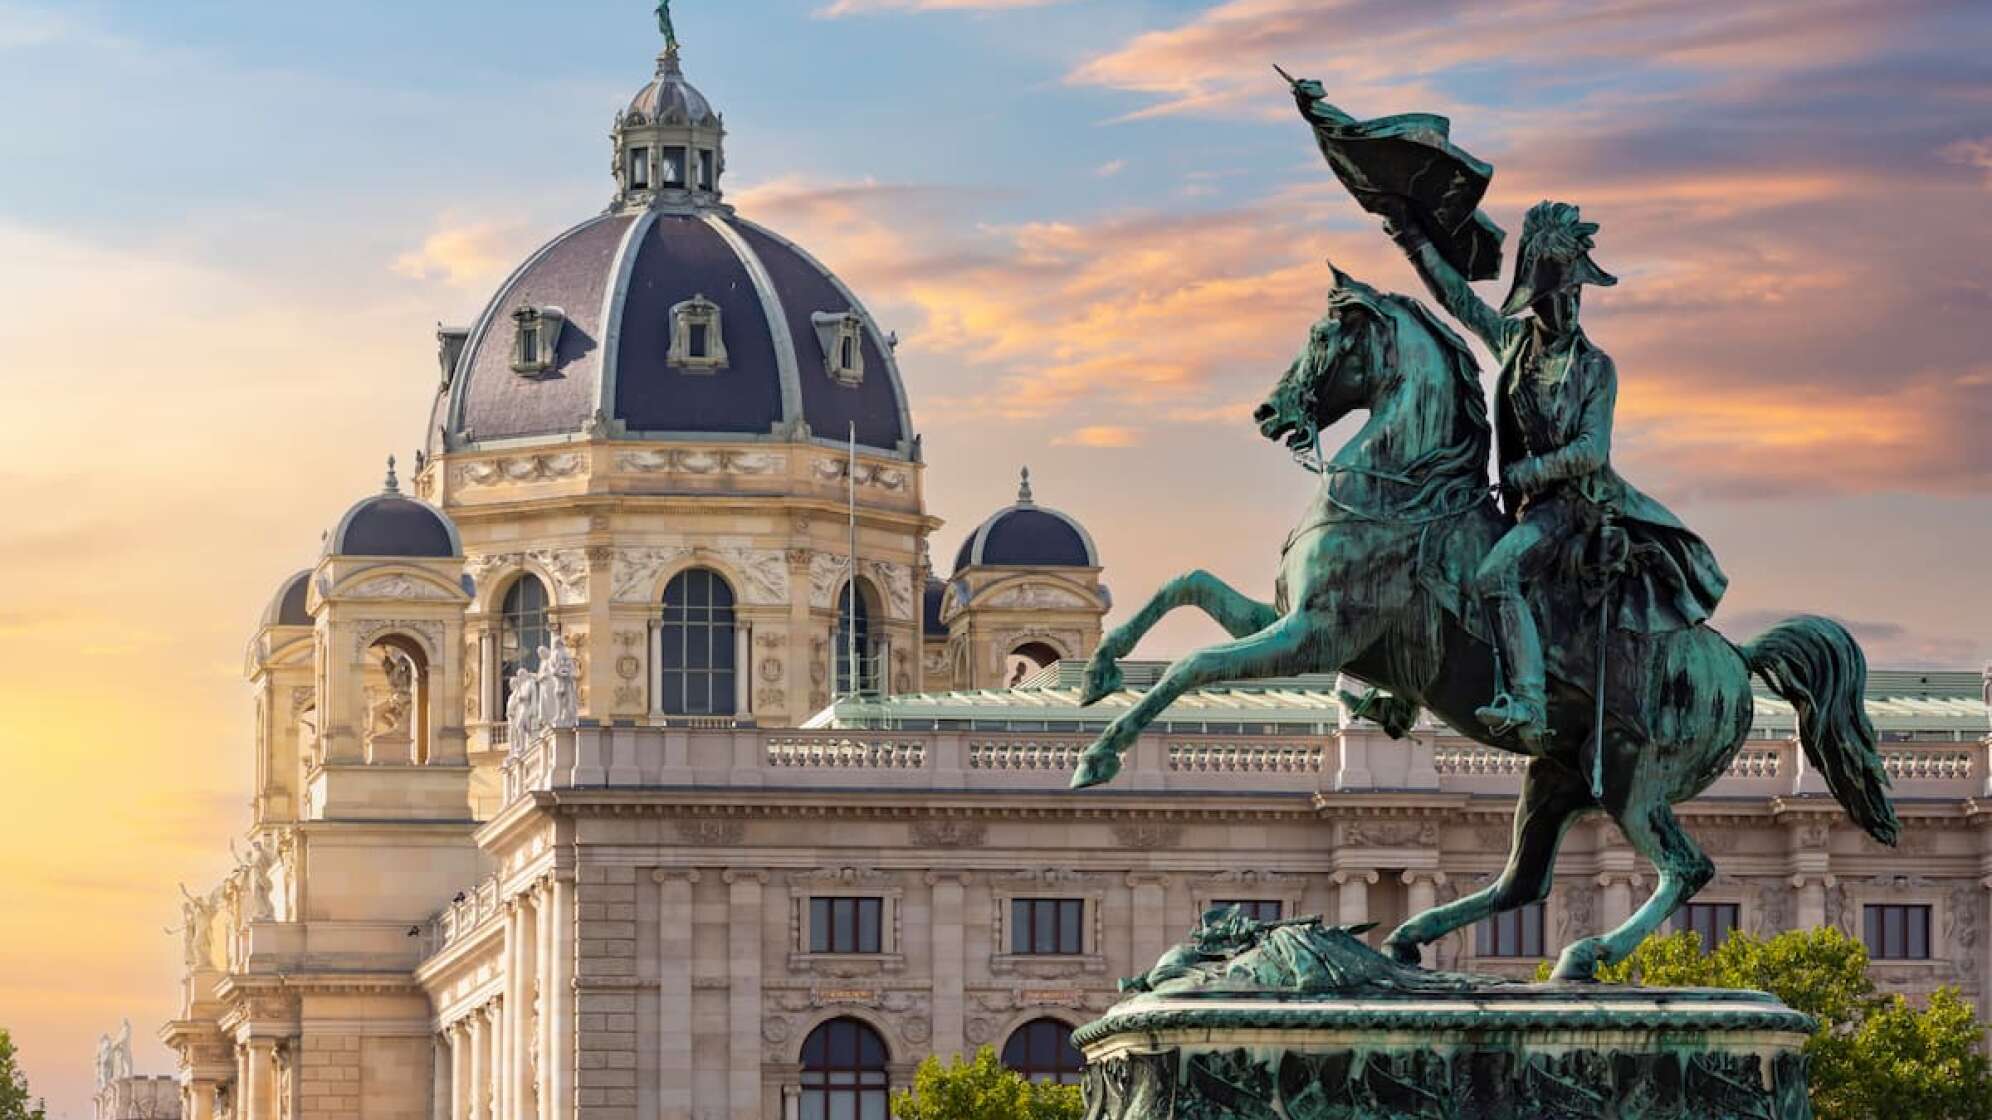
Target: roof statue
<point>1568,623</point>
<point>665,26</point>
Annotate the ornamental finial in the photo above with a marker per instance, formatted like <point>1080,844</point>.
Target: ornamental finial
<point>393,485</point>
<point>1024,488</point>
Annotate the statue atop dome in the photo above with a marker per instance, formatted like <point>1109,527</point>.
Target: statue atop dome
<point>665,27</point>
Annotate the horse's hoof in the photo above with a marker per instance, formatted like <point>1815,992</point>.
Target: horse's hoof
<point>1579,963</point>
<point>1102,680</point>
<point>1095,768</point>
<point>1404,952</point>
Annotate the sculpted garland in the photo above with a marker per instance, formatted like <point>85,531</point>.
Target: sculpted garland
<point>1567,621</point>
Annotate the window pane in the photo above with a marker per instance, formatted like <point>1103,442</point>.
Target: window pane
<point>813,1105</point>
<point>1044,927</point>
<point>697,343</point>
<point>819,926</point>
<point>1893,937</point>
<point>1070,912</point>
<point>1020,926</point>
<point>674,166</point>
<point>844,1106</point>
<point>868,925</point>
<point>1919,933</point>
<point>874,1105</point>
<point>846,938</point>
<point>1871,929</point>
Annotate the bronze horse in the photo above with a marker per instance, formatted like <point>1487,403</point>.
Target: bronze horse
<point>1374,583</point>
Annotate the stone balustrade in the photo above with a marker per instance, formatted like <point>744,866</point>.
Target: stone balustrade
<point>1353,759</point>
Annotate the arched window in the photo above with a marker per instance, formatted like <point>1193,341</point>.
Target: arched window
<point>1042,1050</point>
<point>843,1073</point>
<point>1026,661</point>
<point>522,633</point>
<point>858,619</point>
<point>698,645</point>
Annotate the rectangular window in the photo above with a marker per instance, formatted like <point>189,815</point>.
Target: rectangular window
<point>849,359</point>
<point>695,344</point>
<point>1047,927</point>
<point>1257,909</point>
<point>846,925</point>
<point>1898,933</point>
<point>674,167</point>
<point>1517,933</point>
<point>528,345</point>
<point>705,169</point>
<point>639,169</point>
<point>1714,921</point>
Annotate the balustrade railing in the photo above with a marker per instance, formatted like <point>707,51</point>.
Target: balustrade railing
<point>837,752</point>
<point>1039,755</point>
<point>1245,757</point>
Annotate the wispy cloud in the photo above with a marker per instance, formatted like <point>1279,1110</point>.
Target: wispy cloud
<point>1100,435</point>
<point>1972,153</point>
<point>462,253</point>
<point>843,8</point>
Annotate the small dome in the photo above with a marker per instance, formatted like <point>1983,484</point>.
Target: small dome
<point>393,524</point>
<point>930,606</point>
<point>1027,535</point>
<point>287,607</point>
<point>670,99</point>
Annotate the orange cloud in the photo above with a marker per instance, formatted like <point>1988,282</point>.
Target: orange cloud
<point>863,7</point>
<point>462,254</point>
<point>1100,435</point>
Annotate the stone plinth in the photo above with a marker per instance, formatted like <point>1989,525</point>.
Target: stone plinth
<point>1509,1052</point>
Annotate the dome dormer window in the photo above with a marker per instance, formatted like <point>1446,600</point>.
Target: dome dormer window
<point>697,342</point>
<point>536,338</point>
<point>841,334</point>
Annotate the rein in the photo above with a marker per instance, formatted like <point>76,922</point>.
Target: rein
<point>1310,459</point>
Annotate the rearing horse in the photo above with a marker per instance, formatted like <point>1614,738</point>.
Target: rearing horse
<point>1374,582</point>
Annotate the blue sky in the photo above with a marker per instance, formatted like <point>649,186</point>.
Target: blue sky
<point>227,230</point>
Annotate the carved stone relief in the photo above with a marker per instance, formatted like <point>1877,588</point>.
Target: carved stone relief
<point>568,568</point>
<point>699,461</point>
<point>523,468</point>
<point>634,572</point>
<point>397,587</point>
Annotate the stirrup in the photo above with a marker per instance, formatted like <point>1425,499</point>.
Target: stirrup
<point>1527,719</point>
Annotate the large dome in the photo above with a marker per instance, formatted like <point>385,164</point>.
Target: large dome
<point>671,317</point>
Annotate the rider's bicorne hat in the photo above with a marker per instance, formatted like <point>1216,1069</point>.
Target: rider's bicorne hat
<point>1555,256</point>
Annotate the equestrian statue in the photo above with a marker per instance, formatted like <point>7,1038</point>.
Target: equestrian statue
<point>1566,621</point>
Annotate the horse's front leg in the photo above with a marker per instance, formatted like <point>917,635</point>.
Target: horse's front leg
<point>1296,643</point>
<point>1238,614</point>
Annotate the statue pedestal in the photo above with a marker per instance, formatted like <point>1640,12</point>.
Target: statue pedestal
<point>1499,1052</point>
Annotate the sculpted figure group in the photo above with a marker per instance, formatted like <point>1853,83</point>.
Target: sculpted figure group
<point>545,699</point>
<point>1566,621</point>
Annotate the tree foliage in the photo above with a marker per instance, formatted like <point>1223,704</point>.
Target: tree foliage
<point>982,1089</point>
<point>1874,1056</point>
<point>14,1085</point>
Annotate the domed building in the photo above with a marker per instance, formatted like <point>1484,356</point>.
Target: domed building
<point>633,760</point>
<point>1025,593</point>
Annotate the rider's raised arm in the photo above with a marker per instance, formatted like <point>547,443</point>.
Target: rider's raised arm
<point>1591,449</point>
<point>1449,287</point>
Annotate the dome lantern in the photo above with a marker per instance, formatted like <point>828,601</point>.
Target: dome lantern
<point>669,142</point>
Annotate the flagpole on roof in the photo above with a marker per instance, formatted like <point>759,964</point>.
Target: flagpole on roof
<point>851,587</point>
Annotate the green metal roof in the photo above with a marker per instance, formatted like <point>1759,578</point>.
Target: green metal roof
<point>1941,704</point>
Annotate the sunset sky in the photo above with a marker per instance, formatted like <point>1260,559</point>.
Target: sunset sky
<point>228,229</point>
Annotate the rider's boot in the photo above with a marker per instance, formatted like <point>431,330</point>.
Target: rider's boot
<point>1523,709</point>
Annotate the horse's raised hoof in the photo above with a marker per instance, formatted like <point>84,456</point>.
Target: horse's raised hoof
<point>1102,679</point>
<point>1404,952</point>
<point>1579,962</point>
<point>1095,767</point>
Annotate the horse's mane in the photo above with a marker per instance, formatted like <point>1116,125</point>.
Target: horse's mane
<point>1467,391</point>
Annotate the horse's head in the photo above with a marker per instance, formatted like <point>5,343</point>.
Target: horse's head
<point>1337,369</point>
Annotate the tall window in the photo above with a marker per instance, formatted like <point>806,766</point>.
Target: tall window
<point>1257,909</point>
<point>856,618</point>
<point>846,925</point>
<point>1714,921</point>
<point>639,169</point>
<point>706,163</point>
<point>843,1073</point>
<point>1042,1050</point>
<point>522,630</point>
<point>1517,933</point>
<point>1897,933</point>
<point>698,645</point>
<point>1047,926</point>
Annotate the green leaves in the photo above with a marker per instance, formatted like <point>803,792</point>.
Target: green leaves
<point>1874,1056</point>
<point>14,1085</point>
<point>982,1089</point>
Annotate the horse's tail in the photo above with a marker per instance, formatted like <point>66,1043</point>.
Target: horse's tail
<point>1816,666</point>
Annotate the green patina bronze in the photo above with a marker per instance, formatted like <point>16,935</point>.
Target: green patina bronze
<point>1566,622</point>
<point>1303,1021</point>
<point>664,25</point>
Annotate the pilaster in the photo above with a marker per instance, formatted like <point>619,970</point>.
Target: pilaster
<point>744,911</point>
<point>674,991</point>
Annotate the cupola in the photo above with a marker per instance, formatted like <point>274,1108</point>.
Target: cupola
<point>669,143</point>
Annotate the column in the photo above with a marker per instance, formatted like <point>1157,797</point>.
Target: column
<point>950,960</point>
<point>500,1013</point>
<point>674,991</point>
<point>1615,903</point>
<point>743,665</point>
<point>522,1047</point>
<point>203,1095</point>
<point>439,1078</point>
<point>1811,902</point>
<point>261,1098</point>
<point>1352,897</point>
<point>656,674</point>
<point>1149,914</point>
<point>492,687</point>
<point>743,1021</point>
<point>459,1071</point>
<point>543,974</point>
<point>514,1026</point>
<point>1421,891</point>
<point>479,1096</point>
<point>561,1088</point>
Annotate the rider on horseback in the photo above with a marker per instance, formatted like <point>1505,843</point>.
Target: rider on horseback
<point>1554,399</point>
